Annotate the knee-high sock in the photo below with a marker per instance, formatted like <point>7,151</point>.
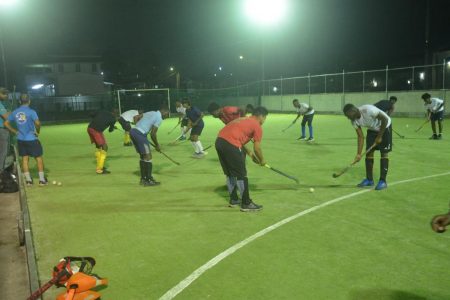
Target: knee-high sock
<point>101,160</point>
<point>148,168</point>
<point>310,130</point>
<point>243,189</point>
<point>97,158</point>
<point>384,166</point>
<point>127,138</point>
<point>142,167</point>
<point>369,168</point>
<point>303,130</point>
<point>199,146</point>
<point>232,187</point>
<point>194,144</point>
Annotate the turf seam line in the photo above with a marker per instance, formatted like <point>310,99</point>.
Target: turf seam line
<point>173,292</point>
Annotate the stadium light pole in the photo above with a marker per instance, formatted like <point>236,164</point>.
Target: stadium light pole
<point>4,5</point>
<point>265,14</point>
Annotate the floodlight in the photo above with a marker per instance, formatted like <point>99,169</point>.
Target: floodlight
<point>275,89</point>
<point>242,57</point>
<point>171,69</point>
<point>220,68</point>
<point>37,86</point>
<point>422,75</point>
<point>448,64</point>
<point>374,83</point>
<point>409,81</point>
<point>7,2</point>
<point>139,95</point>
<point>265,12</point>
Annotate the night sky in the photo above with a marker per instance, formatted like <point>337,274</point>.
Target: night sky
<point>197,36</point>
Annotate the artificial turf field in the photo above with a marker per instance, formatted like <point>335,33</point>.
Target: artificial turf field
<point>371,245</point>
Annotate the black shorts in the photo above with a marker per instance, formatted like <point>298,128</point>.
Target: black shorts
<point>437,116</point>
<point>184,122</point>
<point>140,141</point>
<point>386,142</point>
<point>125,124</point>
<point>307,119</point>
<point>30,148</point>
<point>197,130</point>
<point>232,159</point>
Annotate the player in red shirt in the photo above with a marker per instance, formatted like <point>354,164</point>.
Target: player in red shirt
<point>226,113</point>
<point>230,147</point>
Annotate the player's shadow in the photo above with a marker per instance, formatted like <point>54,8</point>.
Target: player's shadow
<point>383,294</point>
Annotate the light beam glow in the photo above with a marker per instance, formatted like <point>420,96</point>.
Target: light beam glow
<point>265,12</point>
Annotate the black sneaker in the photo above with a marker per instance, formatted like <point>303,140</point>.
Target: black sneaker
<point>251,207</point>
<point>150,182</point>
<point>234,203</point>
<point>434,137</point>
<point>439,137</point>
<point>153,179</point>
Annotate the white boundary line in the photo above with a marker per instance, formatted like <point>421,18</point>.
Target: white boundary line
<point>170,294</point>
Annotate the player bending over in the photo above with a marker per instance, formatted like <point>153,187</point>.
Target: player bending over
<point>435,112</point>
<point>227,113</point>
<point>230,147</point>
<point>377,123</point>
<point>28,129</point>
<point>125,120</point>
<point>149,122</point>
<point>182,119</point>
<point>196,125</point>
<point>101,120</point>
<point>307,112</point>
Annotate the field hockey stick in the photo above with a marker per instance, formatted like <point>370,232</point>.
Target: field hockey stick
<point>282,173</point>
<point>173,128</point>
<point>336,175</point>
<point>401,136</point>
<point>290,125</point>
<point>168,157</point>
<point>66,271</point>
<point>207,148</point>
<point>422,125</point>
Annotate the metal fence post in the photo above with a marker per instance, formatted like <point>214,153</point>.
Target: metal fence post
<point>443,75</point>
<point>364,81</point>
<point>343,89</point>
<point>309,88</point>
<point>412,79</point>
<point>281,91</point>
<point>325,83</point>
<point>387,74</point>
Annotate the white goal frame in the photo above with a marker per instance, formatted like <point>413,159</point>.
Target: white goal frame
<point>142,90</point>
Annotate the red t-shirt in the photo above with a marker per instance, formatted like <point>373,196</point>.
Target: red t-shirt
<point>229,113</point>
<point>241,131</point>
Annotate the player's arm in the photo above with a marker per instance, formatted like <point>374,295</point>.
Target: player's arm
<point>37,125</point>
<point>391,110</point>
<point>112,124</point>
<point>299,114</point>
<point>258,153</point>
<point>154,138</point>
<point>4,116</point>
<point>198,120</point>
<point>359,150</point>
<point>428,114</point>
<point>384,121</point>
<point>137,118</point>
<point>9,127</point>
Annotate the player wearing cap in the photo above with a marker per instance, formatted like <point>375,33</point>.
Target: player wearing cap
<point>148,122</point>
<point>307,112</point>
<point>125,120</point>
<point>230,147</point>
<point>101,120</point>
<point>377,123</point>
<point>28,129</point>
<point>227,113</point>
<point>4,133</point>
<point>435,112</point>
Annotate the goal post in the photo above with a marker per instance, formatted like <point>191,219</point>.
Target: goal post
<point>143,99</point>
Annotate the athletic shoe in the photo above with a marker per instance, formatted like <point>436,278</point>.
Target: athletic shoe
<point>43,182</point>
<point>439,136</point>
<point>204,152</point>
<point>251,207</point>
<point>365,182</point>
<point>234,203</point>
<point>198,155</point>
<point>381,185</point>
<point>104,171</point>
<point>149,182</point>
<point>183,138</point>
<point>302,138</point>
<point>153,179</point>
<point>434,137</point>
<point>29,183</point>
<point>311,139</point>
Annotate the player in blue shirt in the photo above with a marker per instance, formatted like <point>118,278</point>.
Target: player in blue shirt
<point>4,133</point>
<point>148,122</point>
<point>28,128</point>
<point>195,117</point>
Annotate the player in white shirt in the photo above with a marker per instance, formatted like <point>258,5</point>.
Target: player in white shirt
<point>435,110</point>
<point>307,112</point>
<point>125,120</point>
<point>377,123</point>
<point>182,118</point>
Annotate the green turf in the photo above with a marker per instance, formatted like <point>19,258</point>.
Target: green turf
<point>377,245</point>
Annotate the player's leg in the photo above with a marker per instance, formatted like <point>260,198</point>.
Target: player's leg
<point>23,152</point>
<point>142,146</point>
<point>183,128</point>
<point>385,147</point>
<point>198,147</point>
<point>433,119</point>
<point>440,119</point>
<point>303,128</point>
<point>37,152</point>
<point>224,153</point>
<point>370,140</point>
<point>310,128</point>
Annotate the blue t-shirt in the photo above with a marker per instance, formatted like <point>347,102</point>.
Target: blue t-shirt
<point>194,114</point>
<point>148,120</point>
<point>24,118</point>
<point>3,111</point>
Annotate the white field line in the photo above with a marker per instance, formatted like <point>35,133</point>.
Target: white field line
<point>170,294</point>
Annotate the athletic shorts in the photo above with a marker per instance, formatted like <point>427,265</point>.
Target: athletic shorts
<point>30,148</point>
<point>184,122</point>
<point>232,159</point>
<point>307,119</point>
<point>96,137</point>
<point>437,116</point>
<point>386,142</point>
<point>197,130</point>
<point>125,124</point>
<point>140,141</point>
